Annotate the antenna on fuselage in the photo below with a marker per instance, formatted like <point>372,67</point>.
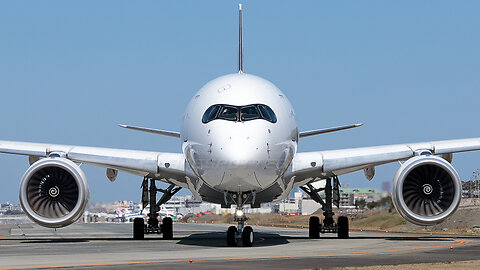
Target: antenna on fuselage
<point>240,40</point>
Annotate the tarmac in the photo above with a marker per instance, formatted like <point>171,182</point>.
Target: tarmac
<point>203,246</point>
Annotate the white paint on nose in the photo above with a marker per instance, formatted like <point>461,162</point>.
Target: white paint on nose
<point>242,151</point>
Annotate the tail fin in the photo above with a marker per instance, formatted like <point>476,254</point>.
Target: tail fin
<point>240,40</point>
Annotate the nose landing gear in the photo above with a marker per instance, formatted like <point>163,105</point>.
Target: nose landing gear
<point>332,196</point>
<point>235,233</point>
<point>149,196</point>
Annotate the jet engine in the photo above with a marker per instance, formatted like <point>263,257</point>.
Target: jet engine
<point>54,192</point>
<point>426,190</point>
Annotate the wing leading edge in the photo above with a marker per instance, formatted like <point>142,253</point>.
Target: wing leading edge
<point>309,166</point>
<point>157,165</point>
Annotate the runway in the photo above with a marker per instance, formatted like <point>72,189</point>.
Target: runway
<point>110,246</point>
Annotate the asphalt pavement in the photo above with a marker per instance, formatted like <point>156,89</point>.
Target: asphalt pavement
<point>203,246</point>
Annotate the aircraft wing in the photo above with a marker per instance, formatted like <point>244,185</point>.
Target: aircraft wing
<point>170,167</point>
<point>310,166</point>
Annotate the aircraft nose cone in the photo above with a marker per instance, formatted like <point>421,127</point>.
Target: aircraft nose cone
<point>242,151</point>
<point>242,161</point>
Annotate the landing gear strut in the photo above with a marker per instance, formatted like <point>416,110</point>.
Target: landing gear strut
<point>149,196</point>
<point>332,196</point>
<point>235,233</point>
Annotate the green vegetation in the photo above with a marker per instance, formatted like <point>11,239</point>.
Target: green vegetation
<point>374,220</point>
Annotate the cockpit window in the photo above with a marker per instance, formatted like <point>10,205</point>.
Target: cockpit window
<point>249,113</point>
<point>229,113</point>
<point>239,113</point>
<point>267,113</point>
<point>210,113</point>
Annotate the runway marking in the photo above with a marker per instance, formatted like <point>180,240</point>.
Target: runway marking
<point>459,242</point>
<point>6,235</point>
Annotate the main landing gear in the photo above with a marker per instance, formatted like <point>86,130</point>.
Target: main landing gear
<point>149,196</point>
<point>332,196</point>
<point>240,232</point>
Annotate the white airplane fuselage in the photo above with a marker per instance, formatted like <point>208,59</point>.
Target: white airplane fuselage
<point>239,156</point>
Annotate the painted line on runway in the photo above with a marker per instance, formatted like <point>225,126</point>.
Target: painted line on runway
<point>6,235</point>
<point>186,260</point>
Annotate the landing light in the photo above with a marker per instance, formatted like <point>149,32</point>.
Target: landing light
<point>239,213</point>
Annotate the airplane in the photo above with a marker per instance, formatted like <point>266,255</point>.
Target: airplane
<point>239,139</point>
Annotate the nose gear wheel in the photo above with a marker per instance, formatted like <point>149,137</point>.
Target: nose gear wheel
<point>240,232</point>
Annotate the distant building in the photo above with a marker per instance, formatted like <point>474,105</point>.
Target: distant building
<point>309,206</point>
<point>188,205</point>
<point>348,196</point>
<point>289,205</point>
<point>471,189</point>
<point>301,203</point>
<point>11,208</point>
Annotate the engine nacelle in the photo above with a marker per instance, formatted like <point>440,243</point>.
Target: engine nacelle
<point>54,192</point>
<point>426,190</point>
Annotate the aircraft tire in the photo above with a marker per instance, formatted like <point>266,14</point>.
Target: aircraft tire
<point>314,227</point>
<point>342,227</point>
<point>247,236</point>
<point>138,229</point>
<point>232,236</point>
<point>167,228</point>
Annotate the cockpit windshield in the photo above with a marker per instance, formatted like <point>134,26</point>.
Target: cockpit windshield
<point>267,113</point>
<point>210,113</point>
<point>228,113</point>
<point>239,113</point>
<point>249,113</point>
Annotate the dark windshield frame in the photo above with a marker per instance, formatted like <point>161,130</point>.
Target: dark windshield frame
<point>255,112</point>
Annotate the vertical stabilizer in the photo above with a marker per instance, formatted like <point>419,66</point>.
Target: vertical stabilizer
<point>240,40</point>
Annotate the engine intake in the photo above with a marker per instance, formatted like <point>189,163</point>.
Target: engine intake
<point>54,192</point>
<point>426,190</point>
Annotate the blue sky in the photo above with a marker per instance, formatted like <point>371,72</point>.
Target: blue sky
<point>71,71</point>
